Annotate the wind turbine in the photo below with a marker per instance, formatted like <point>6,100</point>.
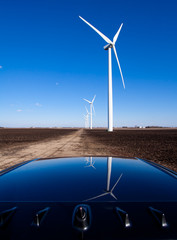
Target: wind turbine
<point>91,163</point>
<point>91,106</point>
<point>108,191</point>
<point>111,44</point>
<point>87,159</point>
<point>87,118</point>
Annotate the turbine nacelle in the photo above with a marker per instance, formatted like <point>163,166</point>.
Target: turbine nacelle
<point>108,46</point>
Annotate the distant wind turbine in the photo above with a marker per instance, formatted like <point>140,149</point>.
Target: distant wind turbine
<point>91,107</point>
<point>111,44</point>
<point>87,118</point>
<point>87,159</point>
<point>90,160</point>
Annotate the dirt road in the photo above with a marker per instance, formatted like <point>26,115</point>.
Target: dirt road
<point>158,146</point>
<point>43,149</point>
<point>75,144</point>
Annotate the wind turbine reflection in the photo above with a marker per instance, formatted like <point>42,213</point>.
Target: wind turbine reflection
<point>108,191</point>
<point>90,161</point>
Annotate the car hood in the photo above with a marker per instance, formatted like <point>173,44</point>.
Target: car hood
<point>87,179</point>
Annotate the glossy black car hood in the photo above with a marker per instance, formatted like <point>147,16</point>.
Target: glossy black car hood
<point>90,179</point>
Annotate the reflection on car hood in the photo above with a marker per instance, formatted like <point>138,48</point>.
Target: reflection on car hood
<point>88,179</point>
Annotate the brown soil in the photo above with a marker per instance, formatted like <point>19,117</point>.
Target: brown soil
<point>18,145</point>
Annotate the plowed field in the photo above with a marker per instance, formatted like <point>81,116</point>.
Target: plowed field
<point>18,145</point>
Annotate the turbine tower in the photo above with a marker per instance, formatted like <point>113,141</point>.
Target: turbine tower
<point>109,46</point>
<point>91,107</point>
<point>86,118</point>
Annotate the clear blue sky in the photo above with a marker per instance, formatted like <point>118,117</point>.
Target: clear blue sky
<point>50,59</point>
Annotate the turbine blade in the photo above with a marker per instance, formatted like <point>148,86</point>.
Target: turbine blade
<point>96,30</point>
<point>87,100</point>
<point>117,34</point>
<point>88,166</point>
<point>113,195</point>
<point>86,159</point>
<point>86,110</point>
<point>119,65</point>
<point>93,99</point>
<point>116,183</point>
<point>93,109</point>
<point>101,195</point>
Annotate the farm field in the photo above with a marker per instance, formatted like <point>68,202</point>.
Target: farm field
<point>18,145</point>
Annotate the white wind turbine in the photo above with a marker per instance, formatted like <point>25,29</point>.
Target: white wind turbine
<point>87,118</point>
<point>91,107</point>
<point>90,160</point>
<point>111,44</point>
